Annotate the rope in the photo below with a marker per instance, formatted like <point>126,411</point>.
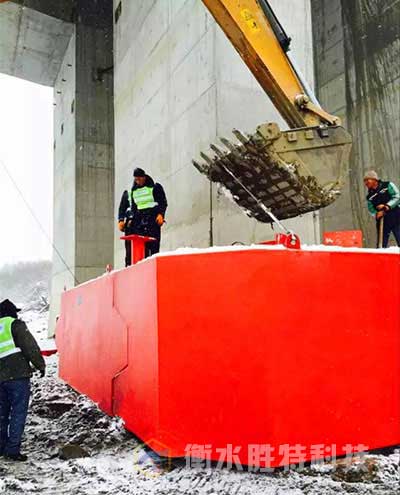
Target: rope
<point>260,204</point>
<point>30,209</point>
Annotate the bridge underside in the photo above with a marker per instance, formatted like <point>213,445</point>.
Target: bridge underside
<point>32,43</point>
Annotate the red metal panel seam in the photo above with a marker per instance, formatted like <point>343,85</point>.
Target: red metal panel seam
<point>156,261</point>
<point>127,348</point>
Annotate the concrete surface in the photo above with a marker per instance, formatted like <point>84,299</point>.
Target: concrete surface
<point>64,213</point>
<point>84,158</point>
<point>94,151</point>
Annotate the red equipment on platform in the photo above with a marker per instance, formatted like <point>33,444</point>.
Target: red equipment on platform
<point>290,241</point>
<point>344,238</point>
<point>242,348</point>
<point>138,244</point>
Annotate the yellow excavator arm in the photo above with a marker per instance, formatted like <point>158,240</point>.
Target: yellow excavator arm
<point>287,172</point>
<point>261,42</point>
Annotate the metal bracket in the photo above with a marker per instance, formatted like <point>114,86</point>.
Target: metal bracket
<point>304,103</point>
<point>289,240</point>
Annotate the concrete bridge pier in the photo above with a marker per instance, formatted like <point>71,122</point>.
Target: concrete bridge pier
<point>69,46</point>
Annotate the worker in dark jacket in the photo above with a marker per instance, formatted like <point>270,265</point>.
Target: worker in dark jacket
<point>383,200</point>
<point>18,350</point>
<point>142,212</point>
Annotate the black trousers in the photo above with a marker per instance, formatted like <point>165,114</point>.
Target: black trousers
<point>391,225</point>
<point>144,223</point>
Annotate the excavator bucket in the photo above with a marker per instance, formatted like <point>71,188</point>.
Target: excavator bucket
<point>287,172</point>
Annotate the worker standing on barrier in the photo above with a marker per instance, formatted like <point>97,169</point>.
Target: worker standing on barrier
<point>383,201</point>
<point>142,212</point>
<point>18,350</point>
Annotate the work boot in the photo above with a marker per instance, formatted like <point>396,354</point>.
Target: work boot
<point>16,457</point>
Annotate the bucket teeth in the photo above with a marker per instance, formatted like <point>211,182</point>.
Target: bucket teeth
<point>230,146</point>
<point>203,169</point>
<point>240,136</point>
<point>218,151</point>
<point>276,169</point>
<point>207,159</point>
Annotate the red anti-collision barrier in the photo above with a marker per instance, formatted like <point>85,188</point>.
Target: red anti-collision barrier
<point>242,348</point>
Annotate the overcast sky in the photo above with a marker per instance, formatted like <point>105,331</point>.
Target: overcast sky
<point>26,149</point>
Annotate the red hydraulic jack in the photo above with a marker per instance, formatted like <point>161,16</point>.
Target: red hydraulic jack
<point>138,243</point>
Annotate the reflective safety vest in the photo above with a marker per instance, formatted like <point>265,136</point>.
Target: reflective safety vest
<point>143,198</point>
<point>7,345</point>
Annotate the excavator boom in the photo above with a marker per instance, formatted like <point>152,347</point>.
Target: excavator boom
<point>289,172</point>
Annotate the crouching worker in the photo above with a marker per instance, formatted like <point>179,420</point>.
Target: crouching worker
<point>18,350</point>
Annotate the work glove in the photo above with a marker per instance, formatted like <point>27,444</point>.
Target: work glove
<point>159,219</point>
<point>380,214</point>
<point>121,225</point>
<point>383,208</point>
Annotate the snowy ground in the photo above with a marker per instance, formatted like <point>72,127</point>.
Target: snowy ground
<point>117,463</point>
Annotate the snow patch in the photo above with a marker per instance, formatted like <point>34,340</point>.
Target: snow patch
<point>277,247</point>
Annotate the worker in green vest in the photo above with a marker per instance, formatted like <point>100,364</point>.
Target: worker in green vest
<point>142,211</point>
<point>18,350</point>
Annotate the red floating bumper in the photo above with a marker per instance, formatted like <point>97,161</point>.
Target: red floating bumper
<point>254,352</point>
